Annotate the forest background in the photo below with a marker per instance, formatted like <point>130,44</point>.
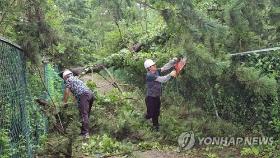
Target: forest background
<point>218,94</point>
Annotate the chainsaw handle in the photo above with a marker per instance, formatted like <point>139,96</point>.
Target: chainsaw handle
<point>178,60</point>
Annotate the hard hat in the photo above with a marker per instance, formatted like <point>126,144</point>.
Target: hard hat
<point>148,63</point>
<point>66,72</point>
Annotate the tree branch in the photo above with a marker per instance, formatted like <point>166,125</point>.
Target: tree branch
<point>147,5</point>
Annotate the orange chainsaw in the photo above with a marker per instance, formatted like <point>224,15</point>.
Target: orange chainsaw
<point>180,65</point>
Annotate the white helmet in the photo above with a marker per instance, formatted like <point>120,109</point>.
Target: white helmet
<point>66,72</point>
<point>148,63</point>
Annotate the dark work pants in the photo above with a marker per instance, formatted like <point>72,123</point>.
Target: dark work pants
<point>85,104</point>
<point>153,109</point>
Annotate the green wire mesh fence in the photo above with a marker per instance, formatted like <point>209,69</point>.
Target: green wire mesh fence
<point>23,125</point>
<point>54,83</point>
<point>14,116</point>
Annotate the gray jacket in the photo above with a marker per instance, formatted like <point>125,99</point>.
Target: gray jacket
<point>154,80</point>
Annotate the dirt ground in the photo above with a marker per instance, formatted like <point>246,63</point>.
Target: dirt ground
<point>103,86</point>
<point>157,154</point>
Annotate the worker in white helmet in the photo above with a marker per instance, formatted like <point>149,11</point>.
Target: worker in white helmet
<point>153,82</point>
<point>83,95</point>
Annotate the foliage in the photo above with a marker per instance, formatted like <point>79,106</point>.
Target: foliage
<point>259,151</point>
<point>5,148</point>
<point>220,85</point>
<point>103,144</point>
<point>91,85</point>
<point>250,151</point>
<point>128,125</point>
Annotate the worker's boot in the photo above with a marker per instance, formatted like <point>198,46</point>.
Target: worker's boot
<point>155,124</point>
<point>156,128</point>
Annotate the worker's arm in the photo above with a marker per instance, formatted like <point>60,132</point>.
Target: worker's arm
<point>169,65</point>
<point>165,78</point>
<point>66,95</point>
<point>161,79</point>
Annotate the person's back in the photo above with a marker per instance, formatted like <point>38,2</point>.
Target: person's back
<point>76,86</point>
<point>83,95</point>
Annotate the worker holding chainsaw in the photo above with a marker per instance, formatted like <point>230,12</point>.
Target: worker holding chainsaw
<point>154,79</point>
<point>83,95</point>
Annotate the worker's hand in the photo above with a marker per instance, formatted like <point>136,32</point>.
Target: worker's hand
<point>174,60</point>
<point>173,73</point>
<point>65,105</point>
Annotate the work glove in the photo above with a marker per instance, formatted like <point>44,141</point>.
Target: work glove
<point>173,73</point>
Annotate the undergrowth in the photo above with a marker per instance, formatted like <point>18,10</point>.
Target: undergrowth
<point>118,127</point>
